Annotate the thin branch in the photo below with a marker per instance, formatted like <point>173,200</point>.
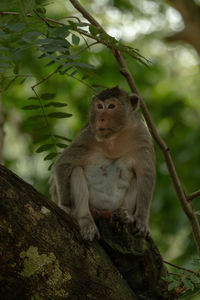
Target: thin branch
<point>13,13</point>
<point>88,46</point>
<point>45,78</point>
<point>42,18</point>
<point>180,268</point>
<point>187,207</point>
<point>191,196</point>
<point>71,17</point>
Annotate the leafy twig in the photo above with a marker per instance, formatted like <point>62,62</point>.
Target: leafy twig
<point>44,114</point>
<point>180,268</point>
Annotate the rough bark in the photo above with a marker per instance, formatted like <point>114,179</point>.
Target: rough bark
<point>42,255</point>
<point>190,12</point>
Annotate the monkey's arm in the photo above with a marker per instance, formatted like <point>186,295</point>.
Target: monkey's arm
<point>145,182</point>
<point>69,185</point>
<point>74,155</point>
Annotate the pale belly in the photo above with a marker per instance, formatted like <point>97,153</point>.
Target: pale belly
<point>108,182</point>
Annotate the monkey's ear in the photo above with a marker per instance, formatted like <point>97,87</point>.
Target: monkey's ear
<point>135,101</point>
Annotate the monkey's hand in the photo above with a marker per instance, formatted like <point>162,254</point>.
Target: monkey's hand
<point>141,228</point>
<point>88,229</point>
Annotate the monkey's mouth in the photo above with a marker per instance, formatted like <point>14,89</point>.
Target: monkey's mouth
<point>105,130</point>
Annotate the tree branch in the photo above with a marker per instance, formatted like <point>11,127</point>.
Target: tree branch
<point>180,268</point>
<point>187,207</point>
<point>193,195</point>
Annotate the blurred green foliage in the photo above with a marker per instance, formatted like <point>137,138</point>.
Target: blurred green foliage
<point>170,87</point>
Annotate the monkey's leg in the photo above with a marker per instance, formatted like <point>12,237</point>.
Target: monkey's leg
<point>125,211</point>
<point>80,206</point>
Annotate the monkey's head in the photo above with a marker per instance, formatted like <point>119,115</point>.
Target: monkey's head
<point>111,111</point>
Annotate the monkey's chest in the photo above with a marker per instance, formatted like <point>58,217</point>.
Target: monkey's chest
<point>108,182</point>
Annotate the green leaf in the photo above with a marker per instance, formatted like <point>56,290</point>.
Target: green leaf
<point>50,63</point>
<point>69,56</point>
<point>3,57</point>
<point>30,36</point>
<point>73,25</point>
<point>167,278</point>
<point>62,137</point>
<point>32,98</point>
<point>50,156</point>
<point>188,284</point>
<point>75,39</point>
<point>60,145</point>
<point>63,31</point>
<point>73,73</point>
<point>4,65</point>
<point>41,10</point>
<point>42,138</point>
<point>59,115</point>
<point>82,24</point>
<point>65,70</point>
<point>47,96</point>
<point>55,104</point>
<point>172,285</point>
<point>82,65</point>
<point>29,107</point>
<point>51,165</point>
<point>44,148</point>
<point>18,27</point>
<point>195,278</point>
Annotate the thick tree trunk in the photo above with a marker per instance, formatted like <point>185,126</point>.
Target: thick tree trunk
<point>42,255</point>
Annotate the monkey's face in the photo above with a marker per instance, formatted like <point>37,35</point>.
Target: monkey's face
<point>107,117</point>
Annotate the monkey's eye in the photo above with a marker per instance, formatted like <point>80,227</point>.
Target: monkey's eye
<point>111,105</point>
<point>100,106</point>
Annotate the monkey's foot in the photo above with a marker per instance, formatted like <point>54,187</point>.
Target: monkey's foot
<point>140,229</point>
<point>89,230</point>
<point>124,215</point>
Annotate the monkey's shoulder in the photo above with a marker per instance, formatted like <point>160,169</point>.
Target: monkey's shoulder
<point>77,151</point>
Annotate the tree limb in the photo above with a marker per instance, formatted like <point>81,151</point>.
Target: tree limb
<point>191,196</point>
<point>44,257</point>
<point>187,207</point>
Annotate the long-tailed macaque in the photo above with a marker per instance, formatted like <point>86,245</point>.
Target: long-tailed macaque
<point>109,167</point>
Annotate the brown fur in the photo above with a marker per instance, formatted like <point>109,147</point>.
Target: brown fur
<point>116,141</point>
